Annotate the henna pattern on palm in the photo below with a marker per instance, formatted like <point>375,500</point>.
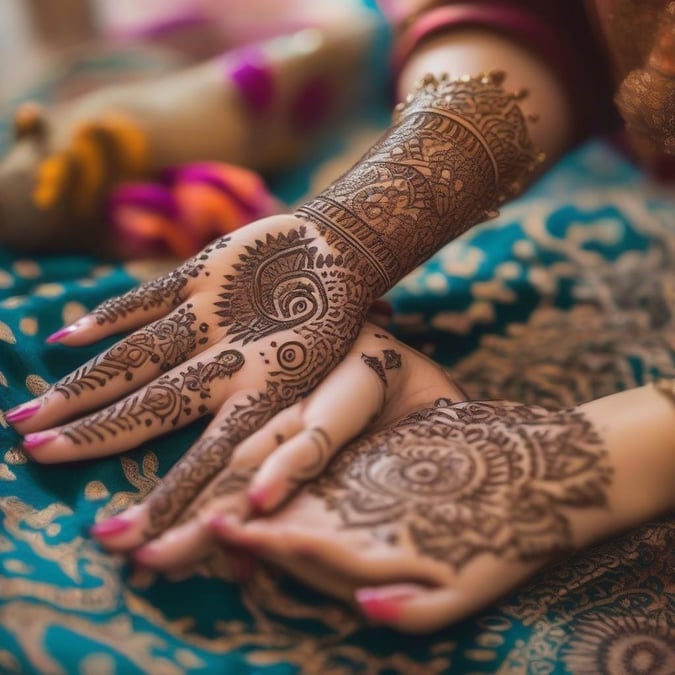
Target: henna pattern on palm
<point>457,150</point>
<point>167,343</point>
<point>169,399</point>
<point>461,480</point>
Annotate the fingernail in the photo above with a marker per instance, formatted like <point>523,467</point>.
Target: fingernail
<point>22,412</point>
<point>145,555</point>
<point>61,333</point>
<point>110,527</point>
<point>377,607</point>
<point>258,498</point>
<point>223,524</point>
<point>32,441</point>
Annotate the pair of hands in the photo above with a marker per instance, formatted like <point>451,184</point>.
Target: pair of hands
<point>438,507</point>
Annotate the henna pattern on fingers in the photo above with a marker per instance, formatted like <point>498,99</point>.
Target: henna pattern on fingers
<point>281,285</point>
<point>297,374</point>
<point>392,361</point>
<point>170,400</point>
<point>167,290</point>
<point>461,480</point>
<point>166,343</point>
<point>456,151</point>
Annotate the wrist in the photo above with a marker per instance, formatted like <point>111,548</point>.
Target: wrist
<point>638,428</point>
<point>665,388</point>
<point>456,151</point>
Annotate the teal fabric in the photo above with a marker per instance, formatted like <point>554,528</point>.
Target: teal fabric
<point>565,297</point>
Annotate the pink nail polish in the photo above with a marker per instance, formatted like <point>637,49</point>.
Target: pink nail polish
<point>61,333</point>
<point>110,527</point>
<point>222,524</point>
<point>32,441</point>
<point>258,499</point>
<point>376,607</point>
<point>146,555</point>
<point>22,412</point>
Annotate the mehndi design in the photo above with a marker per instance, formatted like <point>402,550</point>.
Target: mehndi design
<point>292,293</point>
<point>167,400</point>
<point>456,151</point>
<point>168,343</point>
<point>156,293</point>
<point>471,478</point>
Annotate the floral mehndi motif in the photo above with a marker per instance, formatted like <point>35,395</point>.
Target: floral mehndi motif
<point>168,343</point>
<point>290,292</point>
<point>470,478</point>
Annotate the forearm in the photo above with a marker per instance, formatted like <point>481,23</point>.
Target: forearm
<point>476,50</point>
<point>456,151</point>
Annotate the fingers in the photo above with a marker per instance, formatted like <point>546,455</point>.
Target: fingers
<point>130,363</point>
<point>413,608</point>
<point>168,403</point>
<point>178,548</point>
<point>142,305</point>
<point>297,443</point>
<point>356,555</point>
<point>238,418</point>
<point>191,540</point>
<point>312,432</point>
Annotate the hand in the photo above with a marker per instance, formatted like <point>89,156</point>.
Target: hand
<point>440,513</point>
<point>241,331</point>
<point>377,381</point>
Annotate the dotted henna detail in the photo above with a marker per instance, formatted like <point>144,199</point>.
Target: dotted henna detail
<point>467,479</point>
<point>456,151</point>
<point>280,284</point>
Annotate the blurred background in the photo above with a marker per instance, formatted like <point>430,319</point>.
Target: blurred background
<point>37,37</point>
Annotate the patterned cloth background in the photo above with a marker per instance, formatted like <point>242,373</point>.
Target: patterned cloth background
<point>567,296</point>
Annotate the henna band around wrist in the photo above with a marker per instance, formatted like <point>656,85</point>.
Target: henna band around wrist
<point>456,150</point>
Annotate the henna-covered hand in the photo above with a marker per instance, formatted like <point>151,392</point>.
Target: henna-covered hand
<point>443,511</point>
<point>242,330</point>
<point>253,323</point>
<point>378,379</point>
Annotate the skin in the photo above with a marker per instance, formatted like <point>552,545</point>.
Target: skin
<point>282,300</point>
<point>262,442</point>
<point>416,550</point>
